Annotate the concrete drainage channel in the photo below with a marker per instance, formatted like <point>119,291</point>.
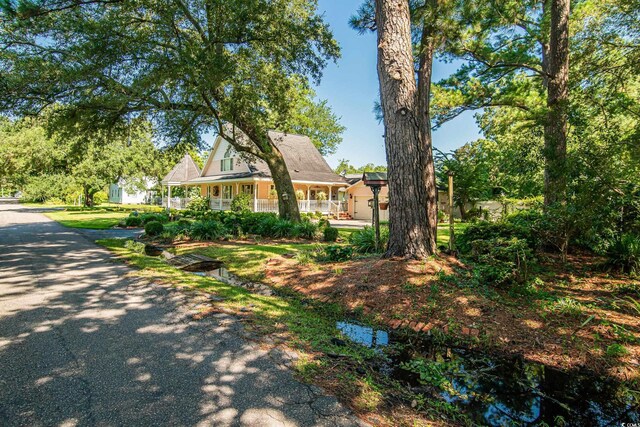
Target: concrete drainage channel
<point>207,267</point>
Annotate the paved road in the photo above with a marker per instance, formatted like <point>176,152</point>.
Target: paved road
<point>81,344</point>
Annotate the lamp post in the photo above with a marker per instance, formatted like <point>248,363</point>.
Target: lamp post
<point>375,181</point>
<point>452,237</point>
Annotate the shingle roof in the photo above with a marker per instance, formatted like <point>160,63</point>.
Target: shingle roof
<point>185,170</point>
<point>303,160</point>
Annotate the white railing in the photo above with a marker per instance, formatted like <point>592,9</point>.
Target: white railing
<point>265,205</point>
<point>220,204</point>
<point>176,202</point>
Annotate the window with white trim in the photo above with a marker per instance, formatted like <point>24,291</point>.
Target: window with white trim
<point>226,164</point>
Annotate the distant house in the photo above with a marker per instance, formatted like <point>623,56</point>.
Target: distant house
<point>318,188</point>
<point>226,174</point>
<point>360,198</point>
<point>124,192</point>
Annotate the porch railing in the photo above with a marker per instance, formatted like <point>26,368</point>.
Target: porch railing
<point>176,202</point>
<point>220,204</point>
<point>265,205</point>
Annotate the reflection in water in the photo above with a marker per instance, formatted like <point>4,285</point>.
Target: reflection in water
<point>498,392</point>
<point>363,335</point>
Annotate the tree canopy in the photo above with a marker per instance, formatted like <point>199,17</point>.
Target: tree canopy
<point>189,67</point>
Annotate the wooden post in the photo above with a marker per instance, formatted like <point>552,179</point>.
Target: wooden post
<point>376,214</point>
<point>452,237</point>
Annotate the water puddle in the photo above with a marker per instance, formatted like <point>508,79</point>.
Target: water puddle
<point>364,335</point>
<point>498,392</point>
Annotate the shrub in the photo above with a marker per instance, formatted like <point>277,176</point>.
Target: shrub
<point>330,234</point>
<point>153,228</point>
<point>364,240</point>
<point>133,221</point>
<point>282,228</point>
<point>300,195</point>
<point>100,197</point>
<point>241,203</point>
<point>207,230</point>
<point>484,230</point>
<point>501,261</point>
<point>133,246</point>
<point>442,216</point>
<point>567,307</point>
<point>148,217</point>
<point>624,254</point>
<point>199,204</point>
<point>337,253</point>
<point>306,230</point>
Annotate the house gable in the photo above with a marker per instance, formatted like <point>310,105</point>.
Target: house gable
<point>220,149</point>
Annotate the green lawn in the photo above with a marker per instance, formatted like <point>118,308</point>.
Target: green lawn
<point>443,232</point>
<point>90,218</point>
<point>99,218</point>
<point>248,260</point>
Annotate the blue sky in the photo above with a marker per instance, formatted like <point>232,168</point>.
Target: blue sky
<point>351,88</point>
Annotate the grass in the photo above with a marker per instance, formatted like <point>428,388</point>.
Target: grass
<point>98,218</point>
<point>247,260</point>
<point>443,232</point>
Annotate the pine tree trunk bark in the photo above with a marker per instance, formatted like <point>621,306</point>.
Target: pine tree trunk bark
<point>410,235</point>
<point>556,128</point>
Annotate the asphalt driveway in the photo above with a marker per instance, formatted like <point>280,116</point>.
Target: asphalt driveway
<point>82,344</point>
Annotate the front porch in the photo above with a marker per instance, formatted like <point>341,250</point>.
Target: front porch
<point>325,199</point>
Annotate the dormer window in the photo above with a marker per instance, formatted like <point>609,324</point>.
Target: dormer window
<point>226,164</point>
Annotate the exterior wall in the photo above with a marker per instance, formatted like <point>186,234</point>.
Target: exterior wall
<point>358,197</point>
<point>213,168</point>
<point>115,195</point>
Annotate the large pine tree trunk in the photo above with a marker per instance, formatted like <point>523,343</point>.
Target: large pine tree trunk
<point>409,230</point>
<point>555,129</point>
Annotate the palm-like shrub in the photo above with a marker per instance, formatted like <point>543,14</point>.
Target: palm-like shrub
<point>207,230</point>
<point>624,254</point>
<point>364,241</point>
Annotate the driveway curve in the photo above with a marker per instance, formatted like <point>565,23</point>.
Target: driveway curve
<point>82,344</point>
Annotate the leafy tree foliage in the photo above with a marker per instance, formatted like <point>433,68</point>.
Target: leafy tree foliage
<point>344,166</point>
<point>471,168</point>
<point>50,164</point>
<point>191,67</point>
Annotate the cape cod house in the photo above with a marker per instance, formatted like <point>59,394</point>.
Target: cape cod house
<point>226,174</point>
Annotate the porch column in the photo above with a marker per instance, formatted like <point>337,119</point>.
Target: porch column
<point>168,196</point>
<point>255,196</point>
<point>329,204</point>
<point>237,190</point>
<point>220,198</point>
<point>308,198</point>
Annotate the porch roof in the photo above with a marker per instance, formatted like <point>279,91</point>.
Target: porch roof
<point>183,171</point>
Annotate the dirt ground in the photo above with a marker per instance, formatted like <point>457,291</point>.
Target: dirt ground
<point>575,316</point>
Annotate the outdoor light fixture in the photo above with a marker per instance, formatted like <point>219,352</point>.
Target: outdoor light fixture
<point>285,196</point>
<point>375,181</point>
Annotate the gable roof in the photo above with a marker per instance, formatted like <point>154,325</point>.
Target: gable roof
<point>303,160</point>
<point>185,170</point>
